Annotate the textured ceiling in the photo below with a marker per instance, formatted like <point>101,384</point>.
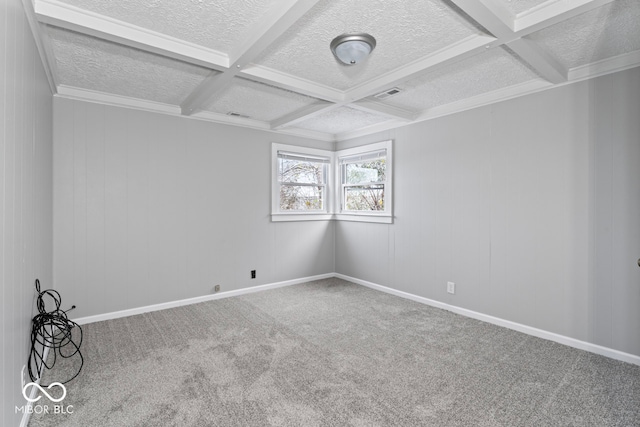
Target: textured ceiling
<point>490,70</point>
<point>219,24</point>
<point>269,60</point>
<point>249,98</point>
<point>404,30</point>
<point>593,36</point>
<point>341,120</point>
<point>90,63</point>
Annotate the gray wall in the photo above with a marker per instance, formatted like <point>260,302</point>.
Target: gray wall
<point>25,196</point>
<point>150,208</point>
<point>530,206</point>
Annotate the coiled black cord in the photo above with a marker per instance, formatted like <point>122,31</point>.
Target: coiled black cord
<point>53,330</point>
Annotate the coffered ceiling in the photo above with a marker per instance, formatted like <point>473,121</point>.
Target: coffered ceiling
<point>266,64</point>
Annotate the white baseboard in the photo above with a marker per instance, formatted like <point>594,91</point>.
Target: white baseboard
<point>561,339</point>
<point>26,415</point>
<point>195,300</point>
<point>571,342</point>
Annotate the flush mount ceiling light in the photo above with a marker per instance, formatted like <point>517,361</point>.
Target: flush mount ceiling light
<point>352,48</point>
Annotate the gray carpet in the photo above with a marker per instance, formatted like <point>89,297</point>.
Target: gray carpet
<point>331,353</point>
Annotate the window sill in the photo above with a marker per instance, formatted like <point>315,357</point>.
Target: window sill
<point>362,217</point>
<point>302,216</point>
<point>289,217</point>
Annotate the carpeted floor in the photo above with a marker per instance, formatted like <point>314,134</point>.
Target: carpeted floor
<point>331,353</point>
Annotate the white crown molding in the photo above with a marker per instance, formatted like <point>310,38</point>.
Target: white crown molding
<point>455,107</point>
<point>115,100</point>
<point>87,95</point>
<point>550,13</point>
<point>259,125</point>
<point>606,66</point>
<point>42,45</point>
<point>93,24</point>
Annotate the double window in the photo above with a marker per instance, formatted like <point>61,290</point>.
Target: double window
<point>352,184</point>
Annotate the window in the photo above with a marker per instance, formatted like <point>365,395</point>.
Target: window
<point>301,190</point>
<point>364,174</point>
<point>351,185</point>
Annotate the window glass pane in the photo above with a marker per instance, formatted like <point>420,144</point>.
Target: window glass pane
<point>301,198</point>
<point>365,172</point>
<point>364,198</point>
<point>301,171</point>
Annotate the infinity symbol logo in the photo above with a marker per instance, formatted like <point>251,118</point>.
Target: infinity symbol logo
<point>24,392</point>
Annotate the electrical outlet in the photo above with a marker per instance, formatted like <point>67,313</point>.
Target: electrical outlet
<point>216,288</point>
<point>253,274</point>
<point>451,287</point>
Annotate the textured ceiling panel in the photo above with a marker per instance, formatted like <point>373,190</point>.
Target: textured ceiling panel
<point>605,32</point>
<point>488,71</point>
<point>341,119</point>
<point>219,24</point>
<point>258,101</point>
<point>89,63</point>
<point>405,30</point>
<point>519,6</point>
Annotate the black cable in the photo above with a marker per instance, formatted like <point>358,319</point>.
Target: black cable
<point>53,330</point>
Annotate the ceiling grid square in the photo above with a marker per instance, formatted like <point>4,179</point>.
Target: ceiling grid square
<point>269,62</point>
<point>89,63</point>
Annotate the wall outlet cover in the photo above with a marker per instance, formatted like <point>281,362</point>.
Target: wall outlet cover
<point>451,287</point>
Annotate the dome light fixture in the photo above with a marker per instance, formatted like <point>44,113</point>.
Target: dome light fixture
<point>353,48</point>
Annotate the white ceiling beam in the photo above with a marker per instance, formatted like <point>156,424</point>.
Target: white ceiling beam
<point>541,61</point>
<point>374,106</point>
<point>303,114</point>
<point>463,49</point>
<point>549,14</point>
<point>490,14</point>
<point>200,96</point>
<point>282,80</point>
<point>281,16</point>
<point>273,26</point>
<point>483,12</point>
<point>89,23</point>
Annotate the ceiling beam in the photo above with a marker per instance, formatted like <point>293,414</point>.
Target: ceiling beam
<point>465,48</point>
<point>541,61</point>
<point>199,97</point>
<point>280,17</point>
<point>272,26</point>
<point>282,80</point>
<point>553,13</point>
<point>484,13</point>
<point>89,23</point>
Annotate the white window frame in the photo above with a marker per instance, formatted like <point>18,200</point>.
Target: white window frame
<point>279,215</point>
<point>334,189</point>
<point>385,216</point>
